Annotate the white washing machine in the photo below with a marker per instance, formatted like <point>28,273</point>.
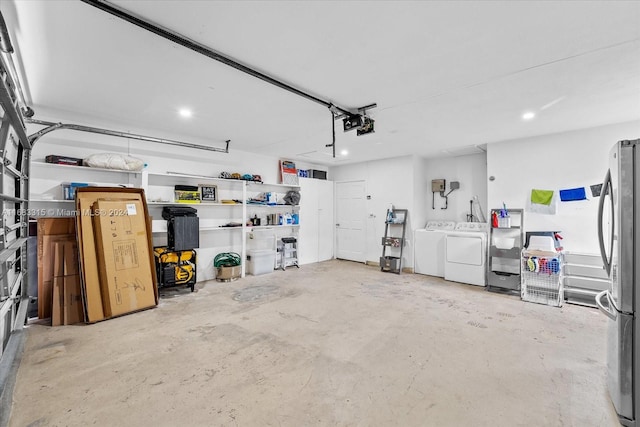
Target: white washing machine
<point>466,253</point>
<point>428,252</point>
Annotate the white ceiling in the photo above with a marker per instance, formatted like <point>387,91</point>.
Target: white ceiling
<point>446,76</point>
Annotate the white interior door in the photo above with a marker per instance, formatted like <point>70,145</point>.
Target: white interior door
<point>350,221</point>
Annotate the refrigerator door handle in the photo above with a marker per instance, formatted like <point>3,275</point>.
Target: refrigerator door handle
<point>605,310</point>
<point>606,188</point>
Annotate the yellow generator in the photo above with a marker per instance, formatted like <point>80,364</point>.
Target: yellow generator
<point>175,268</point>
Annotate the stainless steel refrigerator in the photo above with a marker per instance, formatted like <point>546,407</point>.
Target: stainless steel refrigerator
<point>618,212</point>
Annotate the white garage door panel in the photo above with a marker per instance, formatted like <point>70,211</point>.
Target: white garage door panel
<point>464,250</point>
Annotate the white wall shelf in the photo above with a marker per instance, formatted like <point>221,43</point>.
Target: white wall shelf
<point>51,201</point>
<point>257,205</point>
<point>82,168</point>
<point>257,185</point>
<point>196,205</point>
<point>270,227</point>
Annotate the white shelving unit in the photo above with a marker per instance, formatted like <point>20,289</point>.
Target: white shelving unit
<point>47,195</point>
<point>216,236</point>
<point>505,247</point>
<point>270,232</point>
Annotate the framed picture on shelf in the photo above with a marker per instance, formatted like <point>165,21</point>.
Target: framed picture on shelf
<point>208,193</point>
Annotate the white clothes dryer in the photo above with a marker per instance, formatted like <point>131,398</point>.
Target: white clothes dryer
<point>466,253</point>
<point>428,252</point>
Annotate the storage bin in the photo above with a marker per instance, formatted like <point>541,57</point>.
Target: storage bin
<point>504,242</point>
<point>389,263</point>
<point>504,222</point>
<point>260,261</point>
<point>69,189</point>
<point>504,280</point>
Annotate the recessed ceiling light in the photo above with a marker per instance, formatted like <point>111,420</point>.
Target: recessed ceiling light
<point>344,152</point>
<point>184,112</point>
<point>528,115</point>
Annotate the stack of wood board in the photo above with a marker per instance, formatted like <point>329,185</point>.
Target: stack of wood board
<point>58,282</point>
<point>67,298</point>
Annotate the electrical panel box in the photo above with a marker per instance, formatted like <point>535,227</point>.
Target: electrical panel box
<point>438,185</point>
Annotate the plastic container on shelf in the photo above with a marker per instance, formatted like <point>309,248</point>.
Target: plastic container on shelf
<point>260,261</point>
<point>504,242</point>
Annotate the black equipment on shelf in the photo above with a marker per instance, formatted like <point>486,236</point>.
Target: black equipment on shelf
<point>183,227</point>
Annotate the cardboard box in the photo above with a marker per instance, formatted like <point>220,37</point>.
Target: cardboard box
<point>63,160</point>
<point>127,279</point>
<point>72,309</point>
<point>67,300</point>
<point>89,275</point>
<point>58,285</point>
<point>49,231</point>
<point>227,274</point>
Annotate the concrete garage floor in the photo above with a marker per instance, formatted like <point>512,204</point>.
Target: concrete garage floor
<point>331,344</point>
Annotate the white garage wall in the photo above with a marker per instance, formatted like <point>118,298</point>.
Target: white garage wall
<point>470,171</point>
<point>388,181</point>
<point>161,158</point>
<point>555,162</point>
<point>421,187</point>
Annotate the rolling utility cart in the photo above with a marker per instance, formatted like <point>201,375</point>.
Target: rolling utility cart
<point>542,281</point>
<point>288,249</point>
<point>394,232</point>
<point>176,262</point>
<point>175,268</point>
<point>542,268</point>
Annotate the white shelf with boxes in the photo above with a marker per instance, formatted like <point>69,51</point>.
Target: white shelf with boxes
<point>224,218</point>
<point>221,213</point>
<point>272,220</point>
<point>52,185</point>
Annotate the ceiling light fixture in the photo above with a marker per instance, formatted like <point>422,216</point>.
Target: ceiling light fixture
<point>529,115</point>
<point>186,113</point>
<point>344,152</point>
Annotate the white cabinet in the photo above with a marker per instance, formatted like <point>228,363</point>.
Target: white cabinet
<point>316,221</point>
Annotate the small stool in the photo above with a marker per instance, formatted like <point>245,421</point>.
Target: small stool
<point>288,248</point>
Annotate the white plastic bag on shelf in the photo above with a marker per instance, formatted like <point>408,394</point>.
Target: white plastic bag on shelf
<point>114,161</point>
